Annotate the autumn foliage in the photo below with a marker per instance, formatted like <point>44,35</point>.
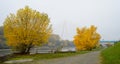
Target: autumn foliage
<point>86,38</point>
<point>26,28</point>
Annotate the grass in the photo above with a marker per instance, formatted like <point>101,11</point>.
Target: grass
<point>36,57</point>
<point>46,56</point>
<point>111,55</point>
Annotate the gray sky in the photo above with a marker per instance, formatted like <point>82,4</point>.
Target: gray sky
<point>66,15</point>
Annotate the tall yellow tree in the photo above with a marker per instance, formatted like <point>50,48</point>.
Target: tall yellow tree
<point>26,28</point>
<point>86,38</point>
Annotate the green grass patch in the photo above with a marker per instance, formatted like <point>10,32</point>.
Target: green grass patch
<point>46,56</point>
<point>111,55</point>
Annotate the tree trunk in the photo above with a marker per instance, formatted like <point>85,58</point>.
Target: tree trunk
<point>28,50</point>
<point>24,49</point>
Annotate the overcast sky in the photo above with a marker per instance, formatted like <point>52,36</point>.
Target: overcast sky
<point>66,15</point>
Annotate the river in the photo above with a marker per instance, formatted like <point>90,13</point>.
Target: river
<point>4,52</point>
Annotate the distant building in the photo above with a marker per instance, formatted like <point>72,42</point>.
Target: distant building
<point>43,49</point>
<point>107,43</point>
<point>68,49</point>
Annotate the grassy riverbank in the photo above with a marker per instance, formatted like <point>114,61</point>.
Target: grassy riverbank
<point>111,55</point>
<point>36,57</point>
<point>46,56</point>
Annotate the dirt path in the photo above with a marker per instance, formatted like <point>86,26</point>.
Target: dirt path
<point>88,58</point>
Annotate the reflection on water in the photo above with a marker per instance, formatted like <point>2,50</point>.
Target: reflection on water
<point>4,52</point>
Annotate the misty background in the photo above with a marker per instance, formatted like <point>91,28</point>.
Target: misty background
<point>67,15</point>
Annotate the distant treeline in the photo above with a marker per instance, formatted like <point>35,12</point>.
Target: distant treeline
<point>54,41</point>
<point>2,40</point>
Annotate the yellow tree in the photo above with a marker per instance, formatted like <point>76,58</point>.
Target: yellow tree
<point>26,28</point>
<point>86,38</point>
